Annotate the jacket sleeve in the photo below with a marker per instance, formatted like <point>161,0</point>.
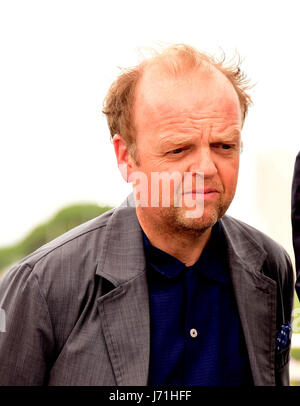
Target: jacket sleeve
<point>26,336</point>
<point>296,219</point>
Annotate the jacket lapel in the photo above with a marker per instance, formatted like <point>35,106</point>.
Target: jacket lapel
<point>255,295</point>
<point>125,319</point>
<point>124,311</point>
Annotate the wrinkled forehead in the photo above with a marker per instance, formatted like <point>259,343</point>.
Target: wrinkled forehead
<point>200,90</point>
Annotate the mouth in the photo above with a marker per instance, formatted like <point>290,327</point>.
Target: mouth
<point>202,191</point>
<point>204,195</point>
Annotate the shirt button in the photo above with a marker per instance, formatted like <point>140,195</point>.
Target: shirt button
<point>193,332</point>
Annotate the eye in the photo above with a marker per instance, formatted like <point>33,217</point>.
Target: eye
<point>176,151</point>
<point>225,146</point>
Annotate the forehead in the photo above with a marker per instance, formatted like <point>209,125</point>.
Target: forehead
<point>203,93</point>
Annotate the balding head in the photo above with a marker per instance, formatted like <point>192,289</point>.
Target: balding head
<point>177,63</point>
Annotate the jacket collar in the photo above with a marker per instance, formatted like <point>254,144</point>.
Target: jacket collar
<point>122,256</point>
<point>242,247</point>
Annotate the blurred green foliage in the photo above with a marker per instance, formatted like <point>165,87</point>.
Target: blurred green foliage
<point>67,218</point>
<point>295,353</point>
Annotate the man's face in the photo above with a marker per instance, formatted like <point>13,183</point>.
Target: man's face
<point>191,123</point>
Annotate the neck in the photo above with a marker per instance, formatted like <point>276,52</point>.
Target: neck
<point>185,245</point>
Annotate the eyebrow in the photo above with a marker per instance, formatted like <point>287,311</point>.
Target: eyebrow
<point>176,141</point>
<point>232,136</point>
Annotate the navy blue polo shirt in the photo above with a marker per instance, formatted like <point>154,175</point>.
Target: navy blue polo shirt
<point>196,336</point>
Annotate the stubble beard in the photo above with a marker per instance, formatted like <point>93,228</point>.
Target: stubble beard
<point>174,220</point>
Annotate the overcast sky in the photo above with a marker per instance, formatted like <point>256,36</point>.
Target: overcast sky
<point>58,59</point>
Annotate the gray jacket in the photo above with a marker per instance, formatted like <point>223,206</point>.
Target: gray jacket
<point>77,309</point>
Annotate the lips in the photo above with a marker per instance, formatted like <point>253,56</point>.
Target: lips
<point>205,191</point>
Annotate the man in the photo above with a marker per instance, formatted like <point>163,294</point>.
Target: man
<point>166,290</point>
<point>296,219</point>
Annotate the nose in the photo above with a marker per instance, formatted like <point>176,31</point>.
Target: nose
<point>204,163</point>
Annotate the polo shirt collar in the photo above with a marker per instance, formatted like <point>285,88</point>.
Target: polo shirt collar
<point>161,261</point>
<point>210,264</point>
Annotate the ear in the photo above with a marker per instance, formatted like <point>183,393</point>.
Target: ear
<point>125,161</point>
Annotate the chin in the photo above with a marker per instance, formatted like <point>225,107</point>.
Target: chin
<point>196,225</point>
<point>200,224</point>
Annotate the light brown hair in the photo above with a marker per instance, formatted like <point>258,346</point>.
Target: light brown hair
<point>177,59</point>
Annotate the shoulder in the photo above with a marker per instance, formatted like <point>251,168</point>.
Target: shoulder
<point>85,235</point>
<point>60,276</point>
<point>245,231</point>
<point>248,239</point>
<point>70,241</point>
<point>61,259</point>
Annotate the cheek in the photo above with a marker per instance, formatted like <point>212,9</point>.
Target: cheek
<point>229,175</point>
